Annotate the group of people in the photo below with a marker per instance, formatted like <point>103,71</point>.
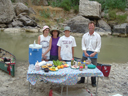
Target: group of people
<point>62,48</point>
<point>55,47</point>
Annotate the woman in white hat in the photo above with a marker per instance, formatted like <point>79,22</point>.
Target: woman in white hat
<point>44,40</point>
<point>54,48</point>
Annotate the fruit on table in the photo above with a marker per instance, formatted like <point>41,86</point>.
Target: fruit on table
<point>53,67</point>
<point>62,66</point>
<point>66,65</point>
<point>58,67</point>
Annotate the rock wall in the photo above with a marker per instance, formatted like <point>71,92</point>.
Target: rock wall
<point>6,11</point>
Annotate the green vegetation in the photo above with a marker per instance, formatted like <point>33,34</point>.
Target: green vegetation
<point>118,18</point>
<point>13,1</point>
<point>112,4</point>
<point>37,1</point>
<point>66,4</point>
<point>45,14</point>
<point>111,7</point>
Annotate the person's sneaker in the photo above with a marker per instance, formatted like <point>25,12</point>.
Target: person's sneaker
<point>79,82</point>
<point>93,85</point>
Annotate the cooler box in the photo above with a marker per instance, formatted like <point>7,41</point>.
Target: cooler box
<point>35,53</point>
<point>104,68</point>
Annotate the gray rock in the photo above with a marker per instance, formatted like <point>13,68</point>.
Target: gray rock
<point>20,8</point>
<point>27,21</point>
<point>90,9</point>
<point>22,1</point>
<point>6,11</point>
<point>97,29</point>
<point>14,30</point>
<point>102,24</point>
<point>79,24</point>
<point>3,25</point>
<point>32,30</point>
<point>121,28</point>
<point>17,23</point>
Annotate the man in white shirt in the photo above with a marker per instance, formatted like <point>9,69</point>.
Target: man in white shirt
<point>91,44</point>
<point>66,45</point>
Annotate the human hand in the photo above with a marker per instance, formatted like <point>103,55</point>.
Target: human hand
<point>60,58</point>
<point>92,55</point>
<point>44,57</point>
<point>86,54</point>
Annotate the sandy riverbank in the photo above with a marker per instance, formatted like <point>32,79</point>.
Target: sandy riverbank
<point>18,85</point>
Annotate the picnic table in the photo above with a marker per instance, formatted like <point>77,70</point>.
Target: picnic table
<point>65,76</point>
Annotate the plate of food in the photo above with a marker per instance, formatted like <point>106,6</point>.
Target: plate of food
<point>66,65</point>
<point>48,64</point>
<point>74,67</point>
<point>44,66</point>
<point>53,69</point>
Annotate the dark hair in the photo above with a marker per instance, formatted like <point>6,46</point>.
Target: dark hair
<point>57,34</point>
<point>91,22</point>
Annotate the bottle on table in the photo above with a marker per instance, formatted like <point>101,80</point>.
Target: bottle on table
<point>79,63</point>
<point>72,62</point>
<point>84,64</point>
<point>81,68</point>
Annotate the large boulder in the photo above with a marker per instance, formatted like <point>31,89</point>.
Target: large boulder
<point>121,28</point>
<point>3,25</point>
<point>27,21</point>
<point>21,8</point>
<point>22,1</point>
<point>14,30</point>
<point>17,23</point>
<point>79,24</point>
<point>102,24</point>
<point>6,11</point>
<point>90,9</point>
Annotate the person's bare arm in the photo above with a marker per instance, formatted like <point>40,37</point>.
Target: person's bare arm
<point>72,52</point>
<point>59,49</point>
<point>38,39</point>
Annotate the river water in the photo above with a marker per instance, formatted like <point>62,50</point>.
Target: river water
<point>113,49</point>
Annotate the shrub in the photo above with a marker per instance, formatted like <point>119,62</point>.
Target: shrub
<point>112,4</point>
<point>112,14</point>
<point>121,18</point>
<point>13,1</point>
<point>45,14</point>
<point>66,4</point>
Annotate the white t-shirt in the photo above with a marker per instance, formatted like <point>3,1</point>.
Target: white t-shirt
<point>44,41</point>
<point>66,44</point>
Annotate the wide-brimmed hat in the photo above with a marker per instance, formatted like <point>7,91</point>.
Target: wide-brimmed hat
<point>45,27</point>
<point>67,28</point>
<point>53,29</point>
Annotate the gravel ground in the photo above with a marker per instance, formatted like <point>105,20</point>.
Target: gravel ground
<point>116,83</point>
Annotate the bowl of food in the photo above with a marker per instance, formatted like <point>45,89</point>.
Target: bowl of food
<point>46,69</point>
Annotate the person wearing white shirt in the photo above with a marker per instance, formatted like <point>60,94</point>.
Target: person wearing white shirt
<point>66,46</point>
<point>45,41</point>
<point>91,44</point>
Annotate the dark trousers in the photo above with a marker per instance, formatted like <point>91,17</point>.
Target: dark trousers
<point>93,61</point>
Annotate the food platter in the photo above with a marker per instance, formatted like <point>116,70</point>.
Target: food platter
<point>74,67</point>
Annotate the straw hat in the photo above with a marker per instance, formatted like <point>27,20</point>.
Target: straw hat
<point>54,30</point>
